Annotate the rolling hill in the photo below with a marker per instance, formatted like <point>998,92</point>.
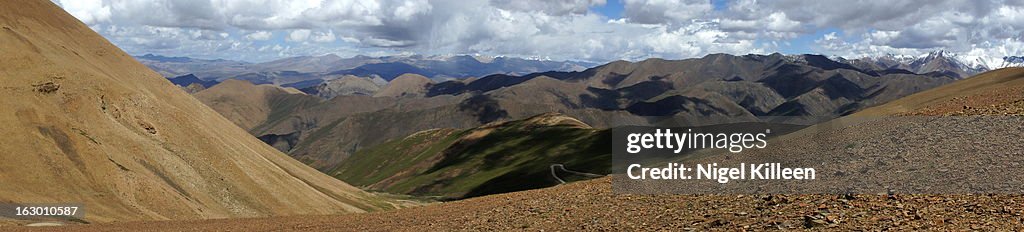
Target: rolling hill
<point>998,90</point>
<point>493,158</point>
<point>306,71</point>
<point>249,105</point>
<point>86,123</point>
<point>592,205</point>
<point>717,88</point>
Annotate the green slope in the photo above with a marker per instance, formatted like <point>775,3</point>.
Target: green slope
<point>493,158</point>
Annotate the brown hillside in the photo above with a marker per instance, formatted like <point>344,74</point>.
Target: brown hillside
<point>987,90</point>
<point>249,105</point>
<point>83,122</point>
<point>591,205</point>
<point>405,85</point>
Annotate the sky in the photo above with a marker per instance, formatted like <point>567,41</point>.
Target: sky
<point>585,30</point>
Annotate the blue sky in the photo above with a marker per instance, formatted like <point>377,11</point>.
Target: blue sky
<point>591,30</point>
<point>612,9</point>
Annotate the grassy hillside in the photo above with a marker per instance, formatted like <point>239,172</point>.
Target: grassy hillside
<point>494,158</point>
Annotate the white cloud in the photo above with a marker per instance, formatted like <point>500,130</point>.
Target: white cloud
<point>665,11</point>
<point>259,36</point>
<point>324,37</point>
<point>560,29</point>
<point>299,35</point>
<point>88,11</point>
<point>408,9</point>
<point>550,7</point>
<point>982,29</point>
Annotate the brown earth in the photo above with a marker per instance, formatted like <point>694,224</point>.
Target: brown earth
<point>83,122</point>
<point>714,89</point>
<point>346,85</point>
<point>406,85</point>
<point>249,105</point>
<point>992,89</point>
<point>590,205</point>
<point>153,117</point>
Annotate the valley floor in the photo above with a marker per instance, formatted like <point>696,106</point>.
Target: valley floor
<point>590,205</point>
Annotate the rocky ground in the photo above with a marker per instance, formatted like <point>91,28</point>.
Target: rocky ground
<point>1006,101</point>
<point>591,205</point>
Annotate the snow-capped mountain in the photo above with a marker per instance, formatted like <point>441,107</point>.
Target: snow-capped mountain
<point>937,61</point>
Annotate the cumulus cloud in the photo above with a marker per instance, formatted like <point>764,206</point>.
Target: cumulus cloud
<point>665,11</point>
<point>324,37</point>
<point>259,35</point>
<point>558,29</point>
<point>984,29</point>
<point>299,35</point>
<point>551,7</point>
<point>88,11</point>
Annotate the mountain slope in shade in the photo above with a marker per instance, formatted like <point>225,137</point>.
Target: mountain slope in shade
<point>186,80</point>
<point>589,204</point>
<point>1012,61</point>
<point>249,105</point>
<point>86,123</point>
<point>718,88</point>
<point>493,158</point>
<point>207,69</point>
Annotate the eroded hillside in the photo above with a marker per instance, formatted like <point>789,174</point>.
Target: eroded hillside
<point>83,122</point>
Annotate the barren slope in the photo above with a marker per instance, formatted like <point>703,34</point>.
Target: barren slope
<point>83,122</point>
<point>988,89</point>
<point>249,105</point>
<point>713,89</point>
<point>405,85</point>
<point>591,205</point>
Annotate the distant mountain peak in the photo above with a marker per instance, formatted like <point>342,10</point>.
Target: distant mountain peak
<point>938,54</point>
<point>934,61</point>
<point>1011,61</point>
<point>150,56</point>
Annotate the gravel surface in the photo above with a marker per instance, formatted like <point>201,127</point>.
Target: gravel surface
<point>590,205</point>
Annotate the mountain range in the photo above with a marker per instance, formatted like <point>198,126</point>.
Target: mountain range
<point>597,204</point>
<point>308,71</point>
<point>718,88</point>
<point>937,61</point>
<point>86,123</point>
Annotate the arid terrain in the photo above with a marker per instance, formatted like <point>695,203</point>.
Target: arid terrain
<point>716,88</point>
<point>591,205</point>
<point>85,123</point>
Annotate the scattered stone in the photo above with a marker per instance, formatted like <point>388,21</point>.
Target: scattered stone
<point>813,221</point>
<point>48,87</point>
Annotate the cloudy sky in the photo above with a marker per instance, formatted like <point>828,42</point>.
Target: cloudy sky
<point>591,30</point>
